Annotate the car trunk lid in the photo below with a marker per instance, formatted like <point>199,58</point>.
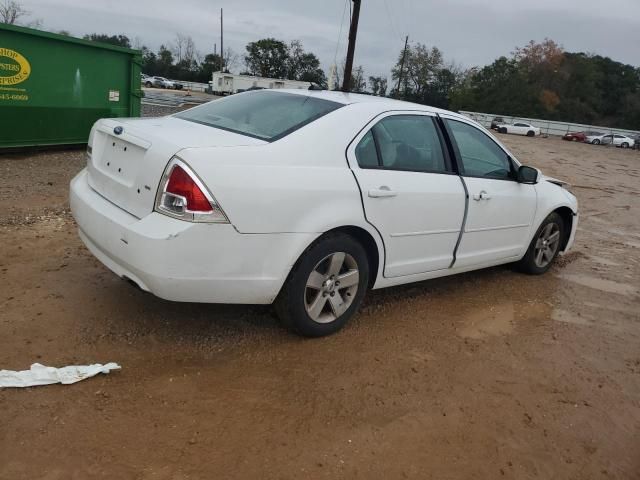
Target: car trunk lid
<point>128,156</point>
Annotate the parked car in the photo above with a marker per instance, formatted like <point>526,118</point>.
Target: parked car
<point>580,136</point>
<point>495,122</point>
<point>161,82</point>
<point>282,217</point>
<point>519,128</point>
<point>611,139</point>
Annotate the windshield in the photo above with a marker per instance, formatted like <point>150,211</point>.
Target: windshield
<point>266,115</point>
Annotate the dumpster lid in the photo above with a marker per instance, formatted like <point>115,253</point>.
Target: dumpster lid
<point>68,39</point>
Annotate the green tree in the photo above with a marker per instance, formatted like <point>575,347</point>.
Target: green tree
<point>267,58</point>
<point>542,80</point>
<point>211,63</point>
<point>118,40</point>
<point>358,82</point>
<point>164,62</point>
<point>303,65</point>
<point>149,62</point>
<point>421,64</point>
<point>378,85</point>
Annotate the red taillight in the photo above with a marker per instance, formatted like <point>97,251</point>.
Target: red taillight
<point>181,184</point>
<point>183,195</point>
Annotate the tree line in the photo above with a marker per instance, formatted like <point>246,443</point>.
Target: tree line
<point>539,80</point>
<point>180,60</point>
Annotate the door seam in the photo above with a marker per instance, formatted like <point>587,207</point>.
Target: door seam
<point>456,162</point>
<point>464,221</point>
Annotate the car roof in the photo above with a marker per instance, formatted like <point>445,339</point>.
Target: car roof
<point>383,103</point>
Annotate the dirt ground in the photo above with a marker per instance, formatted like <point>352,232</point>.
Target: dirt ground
<point>491,374</point>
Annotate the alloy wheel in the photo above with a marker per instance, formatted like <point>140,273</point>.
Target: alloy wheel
<point>331,287</point>
<point>547,245</point>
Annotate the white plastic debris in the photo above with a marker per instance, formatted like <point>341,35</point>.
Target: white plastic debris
<point>43,375</point>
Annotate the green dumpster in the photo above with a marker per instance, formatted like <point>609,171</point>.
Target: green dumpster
<point>53,87</point>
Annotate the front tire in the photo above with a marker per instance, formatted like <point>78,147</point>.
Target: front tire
<point>544,247</point>
<point>531,133</point>
<point>502,130</point>
<point>325,287</point>
<point>596,142</point>
<point>625,145</point>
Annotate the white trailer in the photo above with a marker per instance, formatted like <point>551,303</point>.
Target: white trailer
<point>228,83</point>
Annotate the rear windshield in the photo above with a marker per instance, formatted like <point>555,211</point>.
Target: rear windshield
<point>266,115</point>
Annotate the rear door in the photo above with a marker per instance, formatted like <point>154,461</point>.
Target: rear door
<point>409,191</point>
<point>501,210</point>
<point>521,128</point>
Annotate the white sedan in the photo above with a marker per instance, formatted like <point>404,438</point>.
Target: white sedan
<point>161,82</point>
<point>307,199</point>
<point>519,128</point>
<point>611,139</point>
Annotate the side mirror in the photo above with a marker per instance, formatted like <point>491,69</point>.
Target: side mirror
<point>527,175</point>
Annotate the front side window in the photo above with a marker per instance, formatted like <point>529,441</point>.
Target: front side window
<point>481,156</point>
<point>403,142</point>
<point>264,115</point>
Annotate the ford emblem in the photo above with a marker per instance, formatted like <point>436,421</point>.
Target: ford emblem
<point>118,130</point>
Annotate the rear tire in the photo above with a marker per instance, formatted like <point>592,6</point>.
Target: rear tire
<point>544,247</point>
<point>325,287</point>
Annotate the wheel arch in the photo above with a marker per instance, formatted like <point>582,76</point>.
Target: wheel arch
<point>370,246</point>
<point>373,248</point>
<point>567,218</point>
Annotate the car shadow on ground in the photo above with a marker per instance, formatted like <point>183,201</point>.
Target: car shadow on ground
<point>126,313</point>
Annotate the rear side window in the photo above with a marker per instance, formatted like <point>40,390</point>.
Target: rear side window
<point>366,152</point>
<point>403,142</point>
<point>265,115</point>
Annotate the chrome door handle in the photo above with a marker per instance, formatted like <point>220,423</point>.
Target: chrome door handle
<point>382,192</point>
<point>481,196</point>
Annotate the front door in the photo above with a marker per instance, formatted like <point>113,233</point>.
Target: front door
<point>409,192</point>
<point>501,210</point>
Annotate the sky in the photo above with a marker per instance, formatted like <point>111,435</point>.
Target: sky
<point>469,32</point>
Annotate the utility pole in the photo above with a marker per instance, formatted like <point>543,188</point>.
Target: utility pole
<point>353,31</point>
<point>404,54</point>
<point>221,44</point>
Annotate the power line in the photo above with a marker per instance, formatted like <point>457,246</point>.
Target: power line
<point>344,10</point>
<point>391,22</point>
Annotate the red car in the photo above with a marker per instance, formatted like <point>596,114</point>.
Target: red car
<point>579,136</point>
<point>575,136</point>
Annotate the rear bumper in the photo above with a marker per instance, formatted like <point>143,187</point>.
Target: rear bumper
<point>182,261</point>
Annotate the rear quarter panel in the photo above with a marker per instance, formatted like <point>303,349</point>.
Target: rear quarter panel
<point>300,183</point>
